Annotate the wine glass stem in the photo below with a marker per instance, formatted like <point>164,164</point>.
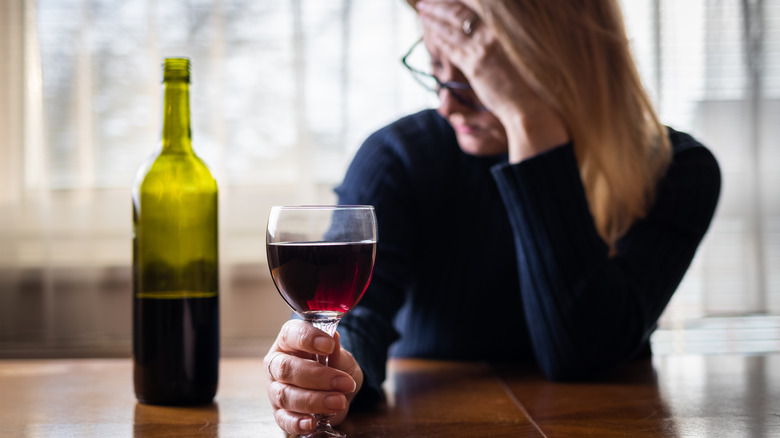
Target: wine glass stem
<point>326,325</point>
<point>322,359</point>
<point>329,327</point>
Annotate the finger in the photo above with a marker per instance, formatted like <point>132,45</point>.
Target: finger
<point>448,12</point>
<point>309,374</point>
<point>297,335</point>
<point>294,399</point>
<point>446,17</point>
<point>444,29</point>
<point>294,423</point>
<point>269,360</point>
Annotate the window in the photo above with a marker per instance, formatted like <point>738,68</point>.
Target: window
<point>283,93</point>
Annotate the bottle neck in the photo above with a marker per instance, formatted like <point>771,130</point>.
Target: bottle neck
<point>176,134</point>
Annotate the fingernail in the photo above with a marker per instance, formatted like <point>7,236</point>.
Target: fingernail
<point>335,402</point>
<point>343,384</point>
<point>324,344</point>
<point>306,424</point>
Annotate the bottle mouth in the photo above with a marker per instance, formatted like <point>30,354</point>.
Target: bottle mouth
<point>176,69</point>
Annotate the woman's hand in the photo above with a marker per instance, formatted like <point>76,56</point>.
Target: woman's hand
<point>532,125</point>
<point>300,386</point>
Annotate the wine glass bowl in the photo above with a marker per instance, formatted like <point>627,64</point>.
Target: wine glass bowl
<point>321,260</point>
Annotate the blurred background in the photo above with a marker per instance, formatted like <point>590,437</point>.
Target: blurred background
<point>283,93</point>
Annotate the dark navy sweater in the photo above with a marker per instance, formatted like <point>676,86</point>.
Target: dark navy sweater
<point>479,259</point>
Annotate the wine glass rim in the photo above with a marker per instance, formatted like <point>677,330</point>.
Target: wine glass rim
<point>324,207</point>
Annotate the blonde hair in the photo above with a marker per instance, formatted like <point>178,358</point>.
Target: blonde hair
<point>575,54</point>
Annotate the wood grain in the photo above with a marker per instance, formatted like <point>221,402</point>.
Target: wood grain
<point>671,396</point>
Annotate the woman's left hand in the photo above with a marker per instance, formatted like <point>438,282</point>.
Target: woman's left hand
<point>532,124</point>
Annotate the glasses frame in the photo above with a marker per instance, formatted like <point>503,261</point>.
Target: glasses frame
<point>452,86</point>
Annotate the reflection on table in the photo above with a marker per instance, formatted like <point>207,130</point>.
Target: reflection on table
<point>668,396</point>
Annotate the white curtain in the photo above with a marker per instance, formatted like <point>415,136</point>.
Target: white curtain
<point>714,69</point>
<point>283,93</point>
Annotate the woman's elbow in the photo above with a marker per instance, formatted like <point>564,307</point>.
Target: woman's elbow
<point>559,372</point>
<point>574,368</point>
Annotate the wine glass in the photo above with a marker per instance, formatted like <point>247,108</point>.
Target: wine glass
<point>321,259</point>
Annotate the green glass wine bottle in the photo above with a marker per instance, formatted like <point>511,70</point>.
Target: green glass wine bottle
<point>175,262</point>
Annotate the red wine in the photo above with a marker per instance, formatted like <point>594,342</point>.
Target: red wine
<point>321,277</point>
<point>176,348</point>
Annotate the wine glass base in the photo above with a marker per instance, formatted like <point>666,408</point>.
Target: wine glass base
<point>326,431</point>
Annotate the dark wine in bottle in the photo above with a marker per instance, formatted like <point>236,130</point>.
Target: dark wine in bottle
<point>175,262</point>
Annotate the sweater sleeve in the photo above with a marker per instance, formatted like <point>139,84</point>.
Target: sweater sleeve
<point>377,176</point>
<point>586,311</point>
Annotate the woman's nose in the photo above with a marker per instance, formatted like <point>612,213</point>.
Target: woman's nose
<point>449,104</point>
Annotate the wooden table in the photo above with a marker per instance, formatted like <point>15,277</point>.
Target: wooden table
<point>679,396</point>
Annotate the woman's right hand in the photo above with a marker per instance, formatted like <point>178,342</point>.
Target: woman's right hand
<point>300,386</point>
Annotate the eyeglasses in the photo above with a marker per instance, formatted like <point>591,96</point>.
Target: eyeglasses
<point>461,91</point>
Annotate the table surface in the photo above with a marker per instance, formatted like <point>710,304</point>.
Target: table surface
<point>675,396</point>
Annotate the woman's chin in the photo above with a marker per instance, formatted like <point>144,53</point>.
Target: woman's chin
<point>474,145</point>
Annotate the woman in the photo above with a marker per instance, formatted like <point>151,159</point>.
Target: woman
<point>542,213</point>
